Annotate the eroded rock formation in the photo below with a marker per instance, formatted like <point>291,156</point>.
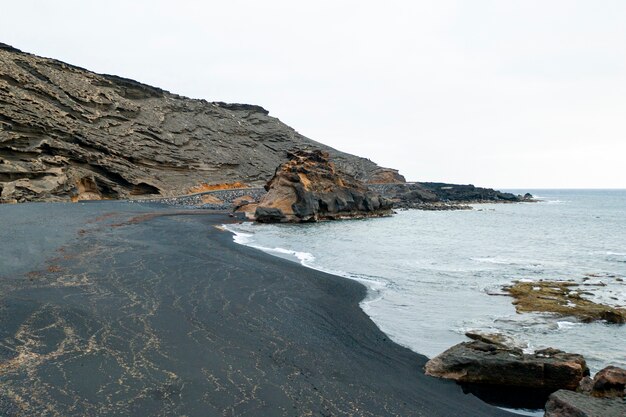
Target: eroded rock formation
<point>309,188</point>
<point>68,133</point>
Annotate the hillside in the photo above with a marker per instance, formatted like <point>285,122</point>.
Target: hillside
<point>67,134</point>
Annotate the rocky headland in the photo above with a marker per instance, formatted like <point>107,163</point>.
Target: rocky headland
<point>69,134</point>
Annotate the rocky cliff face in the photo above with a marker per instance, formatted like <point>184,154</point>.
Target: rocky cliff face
<point>309,188</point>
<point>68,133</point>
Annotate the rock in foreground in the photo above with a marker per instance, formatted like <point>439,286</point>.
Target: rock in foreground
<point>505,375</point>
<point>610,382</point>
<point>565,403</point>
<point>309,188</point>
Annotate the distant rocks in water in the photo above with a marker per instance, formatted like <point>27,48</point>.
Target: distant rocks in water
<point>502,374</point>
<point>309,188</point>
<point>441,196</point>
<point>414,196</point>
<point>470,193</point>
<point>564,298</point>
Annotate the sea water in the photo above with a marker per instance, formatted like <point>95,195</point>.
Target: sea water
<point>434,275</point>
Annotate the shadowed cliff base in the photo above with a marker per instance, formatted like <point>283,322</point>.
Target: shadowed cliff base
<point>165,315</point>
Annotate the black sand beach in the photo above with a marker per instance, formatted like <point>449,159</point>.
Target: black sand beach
<point>130,310</point>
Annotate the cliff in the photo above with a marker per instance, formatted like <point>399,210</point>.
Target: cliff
<point>68,133</point>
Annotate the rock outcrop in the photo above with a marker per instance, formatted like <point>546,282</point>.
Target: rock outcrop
<point>309,188</point>
<point>469,193</point>
<point>505,375</point>
<point>563,298</point>
<point>68,133</point>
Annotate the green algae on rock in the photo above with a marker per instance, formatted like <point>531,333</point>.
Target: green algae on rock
<point>562,298</point>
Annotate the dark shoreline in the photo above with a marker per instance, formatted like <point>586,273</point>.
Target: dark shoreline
<point>156,313</point>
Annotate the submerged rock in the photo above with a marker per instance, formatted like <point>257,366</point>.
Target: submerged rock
<point>563,298</point>
<point>309,188</point>
<point>505,375</point>
<point>565,403</point>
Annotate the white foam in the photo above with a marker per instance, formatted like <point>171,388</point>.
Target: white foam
<point>373,284</point>
<point>304,258</point>
<point>566,324</point>
<point>493,261</point>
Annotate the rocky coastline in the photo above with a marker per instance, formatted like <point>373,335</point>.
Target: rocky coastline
<point>494,369</point>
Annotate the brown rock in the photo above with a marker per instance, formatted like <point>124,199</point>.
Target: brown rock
<point>309,188</point>
<point>609,382</point>
<point>204,187</point>
<point>210,199</point>
<point>243,200</point>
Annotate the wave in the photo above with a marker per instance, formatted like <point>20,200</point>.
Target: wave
<point>530,265</point>
<point>374,284</point>
<point>247,239</point>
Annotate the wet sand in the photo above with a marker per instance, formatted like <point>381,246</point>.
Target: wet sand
<point>143,311</point>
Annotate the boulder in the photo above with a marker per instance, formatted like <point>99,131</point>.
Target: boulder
<point>609,382</point>
<point>565,403</point>
<point>309,188</point>
<point>505,375</point>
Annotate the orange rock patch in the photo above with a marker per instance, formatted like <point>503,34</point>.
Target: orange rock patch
<point>213,187</point>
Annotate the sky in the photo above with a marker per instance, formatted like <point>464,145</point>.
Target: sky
<point>501,93</point>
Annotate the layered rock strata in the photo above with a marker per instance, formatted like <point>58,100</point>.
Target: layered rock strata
<point>68,133</point>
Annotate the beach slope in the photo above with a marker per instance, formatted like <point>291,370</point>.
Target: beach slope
<point>143,311</point>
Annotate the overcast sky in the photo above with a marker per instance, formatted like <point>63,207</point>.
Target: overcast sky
<point>508,94</point>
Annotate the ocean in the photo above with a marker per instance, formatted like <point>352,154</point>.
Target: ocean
<point>433,275</point>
